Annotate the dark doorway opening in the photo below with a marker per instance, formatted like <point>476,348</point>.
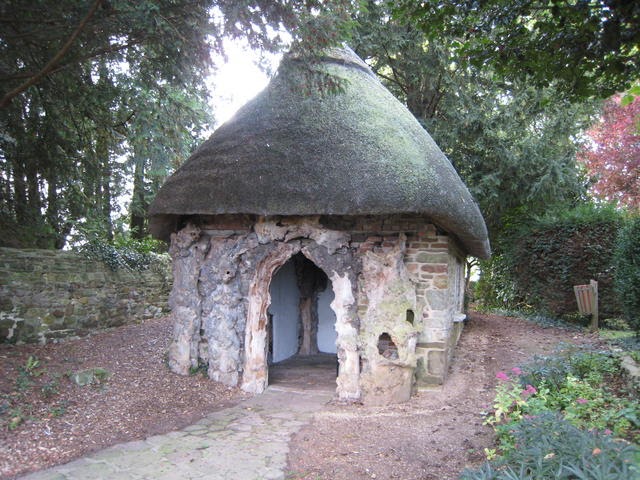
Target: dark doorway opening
<point>302,335</point>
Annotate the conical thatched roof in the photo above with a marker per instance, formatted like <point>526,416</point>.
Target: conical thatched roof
<point>291,152</point>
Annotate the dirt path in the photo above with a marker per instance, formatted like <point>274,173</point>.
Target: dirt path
<point>438,433</point>
<point>435,435</point>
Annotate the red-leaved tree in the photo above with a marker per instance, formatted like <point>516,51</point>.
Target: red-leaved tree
<point>612,153</point>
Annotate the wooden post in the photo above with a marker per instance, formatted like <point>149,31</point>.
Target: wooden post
<point>594,305</point>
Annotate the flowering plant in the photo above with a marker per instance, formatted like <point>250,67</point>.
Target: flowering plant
<point>563,414</point>
<point>582,404</point>
<point>512,401</point>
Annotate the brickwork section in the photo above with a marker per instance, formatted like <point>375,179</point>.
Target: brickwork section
<point>434,263</point>
<point>47,294</point>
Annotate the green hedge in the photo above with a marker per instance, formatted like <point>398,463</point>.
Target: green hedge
<point>538,262</point>
<point>627,266</point>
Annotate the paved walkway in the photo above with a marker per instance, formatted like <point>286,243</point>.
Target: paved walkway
<point>249,441</point>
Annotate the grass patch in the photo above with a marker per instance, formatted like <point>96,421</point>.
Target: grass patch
<point>607,334</point>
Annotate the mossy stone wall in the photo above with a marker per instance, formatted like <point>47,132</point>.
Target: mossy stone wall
<point>48,294</point>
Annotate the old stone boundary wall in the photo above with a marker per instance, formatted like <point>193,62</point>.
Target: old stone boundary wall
<point>48,294</point>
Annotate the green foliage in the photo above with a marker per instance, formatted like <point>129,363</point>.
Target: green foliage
<point>201,369</point>
<point>130,86</point>
<point>570,361</point>
<point>50,389</point>
<point>537,318</point>
<point>33,387</point>
<point>512,144</point>
<point>27,372</point>
<point>539,260</point>
<point>124,252</point>
<point>629,344</point>
<point>557,418</point>
<point>145,245</point>
<point>551,447</point>
<point>16,417</point>
<point>627,267</point>
<point>59,410</point>
<point>587,48</point>
<point>616,324</point>
<point>31,367</point>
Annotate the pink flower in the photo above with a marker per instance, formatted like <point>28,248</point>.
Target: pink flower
<point>530,390</point>
<point>581,401</point>
<point>516,371</point>
<point>607,432</point>
<point>502,376</point>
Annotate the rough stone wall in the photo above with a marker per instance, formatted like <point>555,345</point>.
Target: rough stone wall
<point>47,294</point>
<point>391,277</point>
<point>433,261</point>
<point>221,294</point>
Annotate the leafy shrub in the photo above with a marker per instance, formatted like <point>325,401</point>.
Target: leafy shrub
<point>627,267</point>
<point>123,253</point>
<point>570,360</point>
<point>557,418</point>
<point>537,262</point>
<point>550,447</point>
<point>543,320</point>
<point>574,382</point>
<point>615,323</point>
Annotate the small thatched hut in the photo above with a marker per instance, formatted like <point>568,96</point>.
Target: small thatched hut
<point>319,222</point>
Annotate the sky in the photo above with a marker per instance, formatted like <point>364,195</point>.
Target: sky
<point>238,80</point>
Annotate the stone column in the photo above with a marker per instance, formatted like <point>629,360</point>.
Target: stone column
<point>187,251</point>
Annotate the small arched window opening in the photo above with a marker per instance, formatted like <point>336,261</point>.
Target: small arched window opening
<point>410,316</point>
<point>386,347</point>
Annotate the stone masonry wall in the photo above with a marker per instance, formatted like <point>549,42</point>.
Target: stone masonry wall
<point>434,263</point>
<point>47,294</point>
<point>399,280</point>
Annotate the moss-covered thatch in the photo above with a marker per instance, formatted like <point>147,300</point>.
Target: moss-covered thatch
<point>297,151</point>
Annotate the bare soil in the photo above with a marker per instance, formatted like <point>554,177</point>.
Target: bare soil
<point>62,421</point>
<point>438,433</point>
<point>434,436</point>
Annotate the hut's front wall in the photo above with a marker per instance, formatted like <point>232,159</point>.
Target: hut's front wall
<point>397,293</point>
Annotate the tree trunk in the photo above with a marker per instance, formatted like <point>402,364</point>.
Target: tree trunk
<point>20,192</point>
<point>138,207</point>
<point>104,186</point>
<point>52,208</point>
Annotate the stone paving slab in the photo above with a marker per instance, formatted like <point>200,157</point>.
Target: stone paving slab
<point>249,441</point>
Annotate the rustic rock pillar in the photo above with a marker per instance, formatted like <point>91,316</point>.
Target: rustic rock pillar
<point>222,311</point>
<point>347,343</point>
<point>309,341</point>
<point>311,280</point>
<point>387,335</point>
<point>187,250</point>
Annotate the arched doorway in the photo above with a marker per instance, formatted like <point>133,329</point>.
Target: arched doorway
<point>301,327</point>
<point>255,374</point>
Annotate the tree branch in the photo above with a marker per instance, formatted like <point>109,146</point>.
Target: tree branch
<point>53,62</point>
